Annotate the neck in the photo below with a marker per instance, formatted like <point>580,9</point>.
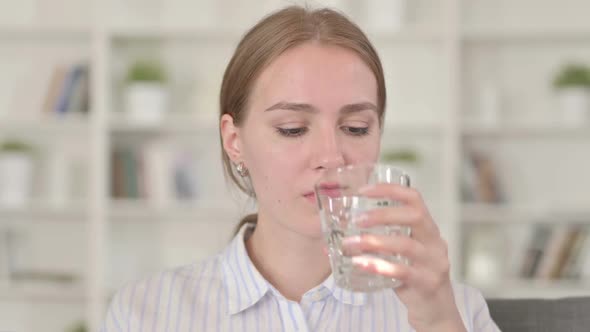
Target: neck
<point>291,262</point>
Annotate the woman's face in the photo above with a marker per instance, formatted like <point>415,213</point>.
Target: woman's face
<point>313,108</point>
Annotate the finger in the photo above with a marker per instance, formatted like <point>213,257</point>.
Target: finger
<point>389,245</point>
<point>418,220</point>
<point>381,266</point>
<point>396,192</point>
<point>439,257</point>
<point>397,215</point>
<point>433,256</point>
<point>425,280</point>
<point>415,277</point>
<point>409,197</point>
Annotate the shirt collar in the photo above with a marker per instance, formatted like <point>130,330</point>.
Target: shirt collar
<point>246,286</point>
<point>344,295</point>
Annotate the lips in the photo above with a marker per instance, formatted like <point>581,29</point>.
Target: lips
<point>327,189</point>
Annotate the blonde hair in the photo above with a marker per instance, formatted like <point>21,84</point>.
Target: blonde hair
<point>268,39</point>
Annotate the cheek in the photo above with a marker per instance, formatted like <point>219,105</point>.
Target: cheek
<point>273,167</point>
<point>274,154</point>
<point>364,151</point>
<point>276,158</point>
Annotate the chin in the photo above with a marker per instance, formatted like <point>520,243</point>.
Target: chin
<point>311,226</point>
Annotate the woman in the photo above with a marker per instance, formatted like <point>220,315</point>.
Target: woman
<point>304,92</point>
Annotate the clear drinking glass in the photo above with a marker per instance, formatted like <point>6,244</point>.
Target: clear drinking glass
<point>340,204</point>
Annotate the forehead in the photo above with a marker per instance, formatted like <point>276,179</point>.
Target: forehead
<point>322,75</point>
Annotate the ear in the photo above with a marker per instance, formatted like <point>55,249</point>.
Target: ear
<point>230,138</point>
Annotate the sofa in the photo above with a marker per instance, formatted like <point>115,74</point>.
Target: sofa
<point>541,315</point>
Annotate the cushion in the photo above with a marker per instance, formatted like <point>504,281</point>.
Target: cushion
<point>541,315</point>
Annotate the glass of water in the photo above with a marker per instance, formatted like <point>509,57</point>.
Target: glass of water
<point>340,205</point>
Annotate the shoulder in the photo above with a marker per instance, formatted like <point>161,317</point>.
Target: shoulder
<point>150,295</point>
<point>193,273</point>
<point>473,308</point>
<point>467,295</point>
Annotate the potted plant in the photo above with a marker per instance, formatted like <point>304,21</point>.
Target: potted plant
<point>406,159</point>
<point>79,326</point>
<point>146,95</point>
<point>16,172</point>
<point>573,87</point>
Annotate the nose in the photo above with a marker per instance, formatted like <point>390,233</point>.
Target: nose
<point>327,151</point>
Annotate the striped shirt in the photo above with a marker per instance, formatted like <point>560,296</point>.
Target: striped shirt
<point>227,293</point>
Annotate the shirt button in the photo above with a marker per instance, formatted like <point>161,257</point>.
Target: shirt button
<point>316,296</point>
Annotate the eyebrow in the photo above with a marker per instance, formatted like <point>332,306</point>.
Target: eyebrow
<point>350,108</point>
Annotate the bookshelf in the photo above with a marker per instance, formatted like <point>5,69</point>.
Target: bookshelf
<point>42,292</point>
<point>535,155</point>
<point>442,56</point>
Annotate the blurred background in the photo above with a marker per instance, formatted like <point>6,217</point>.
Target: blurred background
<point>110,163</point>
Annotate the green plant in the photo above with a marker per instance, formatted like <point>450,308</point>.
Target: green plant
<point>77,327</point>
<point>146,71</point>
<point>572,75</point>
<point>15,146</point>
<point>403,155</point>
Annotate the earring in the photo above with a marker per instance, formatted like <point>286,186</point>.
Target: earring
<point>241,169</point>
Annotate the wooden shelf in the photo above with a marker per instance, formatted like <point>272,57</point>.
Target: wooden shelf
<point>525,35</point>
<point>41,211</point>
<point>44,126</point>
<point>421,129</point>
<point>126,210</point>
<point>42,291</point>
<point>534,288</point>
<point>407,36</point>
<point>171,125</point>
<point>525,131</point>
<point>195,34</point>
<point>36,33</point>
<point>178,33</point>
<point>488,213</point>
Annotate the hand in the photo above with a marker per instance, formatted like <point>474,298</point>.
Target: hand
<point>426,290</point>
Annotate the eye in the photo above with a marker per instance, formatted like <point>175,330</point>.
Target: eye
<point>356,131</point>
<point>291,132</point>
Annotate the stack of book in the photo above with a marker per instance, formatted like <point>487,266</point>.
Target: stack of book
<point>158,172</point>
<point>556,252</point>
<point>68,90</point>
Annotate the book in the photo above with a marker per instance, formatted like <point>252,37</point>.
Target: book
<point>468,181</point>
<point>78,101</point>
<point>141,176</point>
<point>583,271</point>
<point>480,182</point>
<point>68,89</point>
<point>117,174</point>
<point>573,265</point>
<point>70,81</point>
<point>130,173</point>
<point>551,252</point>
<point>56,82</point>
<point>158,171</point>
<point>535,250</point>
<point>184,176</point>
<point>565,250</point>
